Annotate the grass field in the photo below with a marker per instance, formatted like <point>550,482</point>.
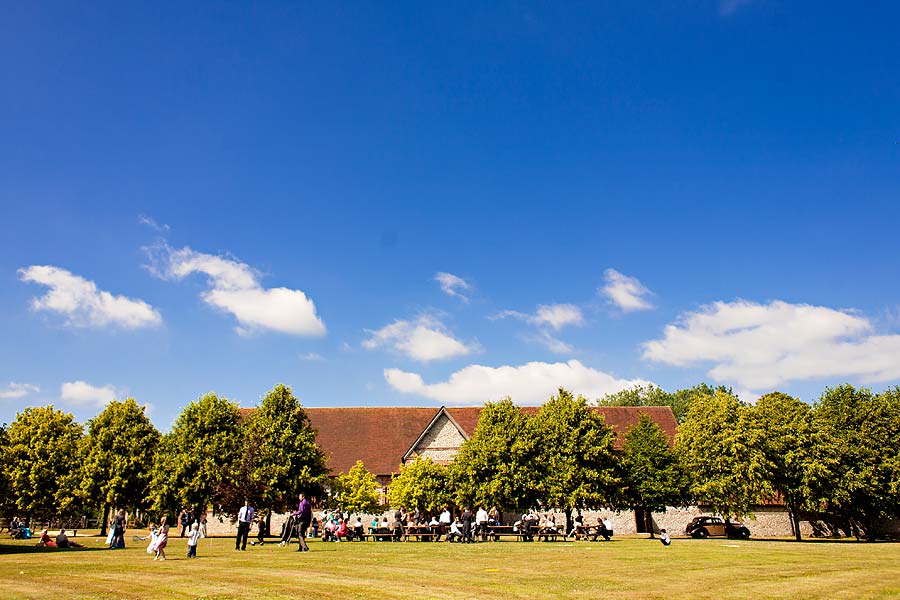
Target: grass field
<point>622,568</point>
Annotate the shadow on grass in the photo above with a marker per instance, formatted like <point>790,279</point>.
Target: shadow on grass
<point>32,549</point>
<point>821,541</point>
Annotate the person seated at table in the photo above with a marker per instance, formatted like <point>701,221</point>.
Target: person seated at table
<point>358,530</point>
<point>435,526</point>
<point>328,531</point>
<point>455,531</point>
<point>45,541</point>
<point>341,531</point>
<point>63,541</point>
<point>398,530</point>
<point>601,530</point>
<point>314,525</point>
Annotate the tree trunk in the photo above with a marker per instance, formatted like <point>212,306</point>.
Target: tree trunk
<point>104,519</point>
<point>795,524</point>
<point>569,523</point>
<point>648,522</point>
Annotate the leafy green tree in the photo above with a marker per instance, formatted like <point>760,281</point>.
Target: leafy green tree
<point>727,471</point>
<point>782,428</point>
<point>118,453</point>
<point>577,464</point>
<point>654,477</point>
<point>653,395</point>
<point>190,460</point>
<point>420,484</point>
<point>42,462</point>
<point>280,457</point>
<point>858,441</point>
<point>498,465</point>
<point>358,491</point>
<point>7,501</point>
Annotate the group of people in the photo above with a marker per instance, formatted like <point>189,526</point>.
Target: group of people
<point>61,541</point>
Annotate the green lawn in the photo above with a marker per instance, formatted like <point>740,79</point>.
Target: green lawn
<point>623,568</point>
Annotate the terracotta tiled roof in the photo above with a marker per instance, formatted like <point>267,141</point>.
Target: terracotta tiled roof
<point>380,436</point>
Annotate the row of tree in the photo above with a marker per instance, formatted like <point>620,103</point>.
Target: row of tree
<point>836,462</point>
<point>54,468</point>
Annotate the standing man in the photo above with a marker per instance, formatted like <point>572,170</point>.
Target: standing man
<point>245,517</point>
<point>185,520</point>
<point>304,517</point>
<point>481,523</point>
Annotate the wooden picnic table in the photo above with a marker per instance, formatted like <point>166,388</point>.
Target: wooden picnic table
<point>422,533</point>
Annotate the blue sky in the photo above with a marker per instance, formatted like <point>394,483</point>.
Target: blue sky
<point>224,197</point>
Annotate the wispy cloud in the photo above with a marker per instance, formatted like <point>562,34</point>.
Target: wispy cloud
<point>311,357</point>
<point>453,285</point>
<point>81,393</point>
<point>547,318</point>
<point>760,346</point>
<point>627,293</point>
<point>235,289</point>
<point>152,224</point>
<point>18,390</point>
<point>423,339</point>
<point>83,304</point>
<point>530,383</point>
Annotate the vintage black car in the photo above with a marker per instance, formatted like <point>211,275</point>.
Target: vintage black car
<point>704,527</point>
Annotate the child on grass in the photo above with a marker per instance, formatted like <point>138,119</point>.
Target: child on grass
<point>193,536</point>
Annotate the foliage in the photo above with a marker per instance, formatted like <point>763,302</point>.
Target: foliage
<point>188,469</point>
<point>280,457</point>
<point>654,477</point>
<point>726,470</point>
<point>118,453</point>
<point>358,490</point>
<point>653,395</point>
<point>420,484</point>
<point>858,441</point>
<point>577,466</point>
<point>782,429</point>
<point>41,462</point>
<point>498,465</point>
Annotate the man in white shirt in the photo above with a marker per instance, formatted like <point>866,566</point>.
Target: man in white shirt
<point>445,521</point>
<point>245,517</point>
<point>481,522</point>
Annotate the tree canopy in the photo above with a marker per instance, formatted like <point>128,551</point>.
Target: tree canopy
<point>726,471</point>
<point>358,490</point>
<point>654,477</point>
<point>42,462</point>
<point>577,465</point>
<point>498,465</point>
<point>188,468</point>
<point>118,453</point>
<point>420,484</point>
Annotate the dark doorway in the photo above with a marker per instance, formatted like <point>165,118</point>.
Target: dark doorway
<point>640,520</point>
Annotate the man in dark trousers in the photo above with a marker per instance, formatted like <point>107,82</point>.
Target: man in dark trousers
<point>467,526</point>
<point>186,519</point>
<point>304,517</point>
<point>245,517</point>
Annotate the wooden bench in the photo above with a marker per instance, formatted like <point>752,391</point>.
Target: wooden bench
<point>379,534</point>
<point>422,534</point>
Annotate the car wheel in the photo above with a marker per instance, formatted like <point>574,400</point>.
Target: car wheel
<point>744,533</point>
<point>701,533</point>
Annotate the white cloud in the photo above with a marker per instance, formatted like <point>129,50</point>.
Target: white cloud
<point>453,285</point>
<point>83,305</point>
<point>625,292</point>
<point>235,289</point>
<point>423,339</point>
<point>311,356</point>
<point>555,316</point>
<point>760,346</point>
<point>82,393</point>
<point>531,383</point>
<point>18,390</point>
<point>152,224</point>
